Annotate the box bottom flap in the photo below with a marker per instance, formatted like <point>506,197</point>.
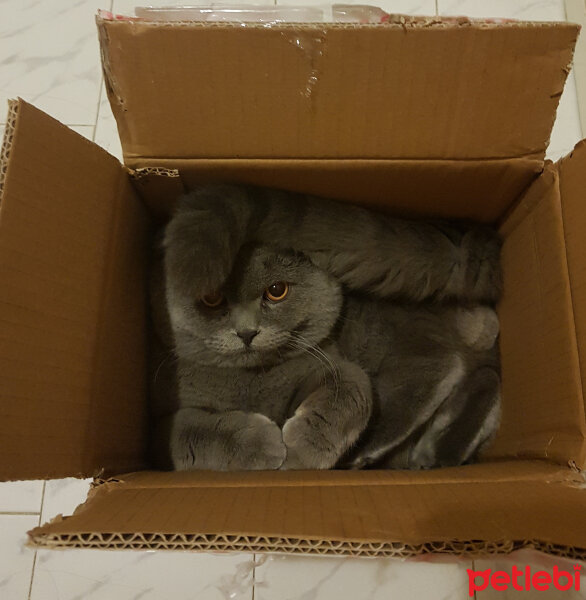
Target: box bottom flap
<point>479,509</point>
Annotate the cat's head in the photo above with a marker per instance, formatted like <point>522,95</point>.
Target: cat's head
<point>275,305</point>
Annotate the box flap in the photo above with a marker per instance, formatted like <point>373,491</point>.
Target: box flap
<point>423,89</point>
<point>463,510</point>
<point>71,317</point>
<point>480,190</point>
<point>543,405</point>
<point>572,182</point>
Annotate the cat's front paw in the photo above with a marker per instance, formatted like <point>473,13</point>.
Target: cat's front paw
<point>259,445</point>
<point>307,446</point>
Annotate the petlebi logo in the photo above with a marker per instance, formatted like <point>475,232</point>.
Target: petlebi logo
<point>524,579</point>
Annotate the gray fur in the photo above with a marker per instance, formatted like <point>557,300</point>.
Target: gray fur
<point>333,377</point>
<point>365,251</point>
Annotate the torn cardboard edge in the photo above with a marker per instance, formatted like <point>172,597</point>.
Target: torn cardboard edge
<point>396,20</point>
<point>142,172</point>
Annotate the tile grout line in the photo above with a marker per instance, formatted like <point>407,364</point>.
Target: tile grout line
<point>79,124</point>
<point>42,500</point>
<point>30,588</point>
<point>474,569</point>
<point>18,513</point>
<point>254,555</point>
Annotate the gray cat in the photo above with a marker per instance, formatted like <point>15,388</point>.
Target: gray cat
<point>279,366</point>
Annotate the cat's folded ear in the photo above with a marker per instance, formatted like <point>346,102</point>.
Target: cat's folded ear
<point>204,236</point>
<point>198,258</point>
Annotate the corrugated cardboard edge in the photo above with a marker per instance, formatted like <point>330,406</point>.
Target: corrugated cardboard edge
<point>140,173</point>
<point>260,544</point>
<point>9,128</point>
<point>157,187</point>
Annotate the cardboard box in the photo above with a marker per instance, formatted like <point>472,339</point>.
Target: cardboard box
<point>420,116</point>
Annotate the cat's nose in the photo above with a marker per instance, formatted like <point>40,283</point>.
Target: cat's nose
<point>247,335</point>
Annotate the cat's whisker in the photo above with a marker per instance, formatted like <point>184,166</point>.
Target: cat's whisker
<point>300,338</point>
<point>333,367</point>
<point>325,367</point>
<point>347,320</point>
<point>169,355</point>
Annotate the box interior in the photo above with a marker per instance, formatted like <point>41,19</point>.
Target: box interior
<point>538,341</point>
<point>75,235</point>
<point>84,288</point>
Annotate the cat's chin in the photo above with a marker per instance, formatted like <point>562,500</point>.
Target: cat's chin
<point>249,359</point>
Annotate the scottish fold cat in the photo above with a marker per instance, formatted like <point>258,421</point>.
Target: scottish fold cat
<point>296,335</point>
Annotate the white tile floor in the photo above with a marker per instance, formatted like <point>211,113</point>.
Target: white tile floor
<point>49,55</point>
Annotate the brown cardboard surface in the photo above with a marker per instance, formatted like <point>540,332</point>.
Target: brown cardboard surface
<point>572,181</point>
<point>479,190</point>
<point>429,90</point>
<point>508,503</point>
<point>456,120</point>
<point>543,410</point>
<point>72,320</point>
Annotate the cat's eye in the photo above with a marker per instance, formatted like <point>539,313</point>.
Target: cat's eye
<point>277,291</point>
<point>213,300</point>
